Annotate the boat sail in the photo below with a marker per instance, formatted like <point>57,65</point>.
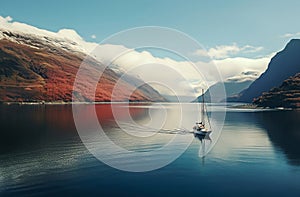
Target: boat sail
<point>203,127</point>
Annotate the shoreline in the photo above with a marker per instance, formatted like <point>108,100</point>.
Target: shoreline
<point>82,103</point>
<point>237,106</point>
<point>253,106</point>
<point>70,103</point>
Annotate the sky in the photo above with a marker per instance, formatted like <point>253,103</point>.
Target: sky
<point>212,23</point>
<point>240,36</point>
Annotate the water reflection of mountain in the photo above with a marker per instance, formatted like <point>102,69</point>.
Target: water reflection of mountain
<point>283,128</point>
<point>34,126</point>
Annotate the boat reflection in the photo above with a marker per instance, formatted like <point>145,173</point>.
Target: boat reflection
<point>202,137</point>
<point>205,141</point>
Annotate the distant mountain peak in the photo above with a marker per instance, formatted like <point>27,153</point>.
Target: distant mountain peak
<point>232,88</point>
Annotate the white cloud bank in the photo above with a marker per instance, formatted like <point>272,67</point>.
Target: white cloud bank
<point>176,74</point>
<point>241,68</point>
<point>290,35</point>
<point>226,51</point>
<point>181,76</point>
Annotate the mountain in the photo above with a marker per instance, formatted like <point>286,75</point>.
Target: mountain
<point>42,67</point>
<point>232,88</point>
<point>286,95</point>
<point>283,65</point>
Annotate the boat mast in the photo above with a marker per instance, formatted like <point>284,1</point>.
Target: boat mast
<point>202,107</point>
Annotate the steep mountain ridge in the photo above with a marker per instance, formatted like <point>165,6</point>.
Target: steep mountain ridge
<point>286,95</point>
<point>283,65</point>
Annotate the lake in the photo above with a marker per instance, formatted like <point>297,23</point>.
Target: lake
<point>251,152</point>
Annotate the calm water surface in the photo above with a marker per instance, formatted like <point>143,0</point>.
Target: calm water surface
<point>41,154</point>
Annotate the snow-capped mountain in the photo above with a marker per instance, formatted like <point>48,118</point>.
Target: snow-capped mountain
<point>31,36</point>
<point>39,65</point>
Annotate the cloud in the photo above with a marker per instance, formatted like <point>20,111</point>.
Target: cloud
<point>69,34</point>
<point>93,36</point>
<point>249,73</point>
<point>289,35</point>
<point>225,51</point>
<point>8,19</point>
<point>244,76</point>
<point>182,76</point>
<point>241,68</point>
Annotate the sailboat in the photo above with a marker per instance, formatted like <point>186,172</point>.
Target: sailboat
<point>201,128</point>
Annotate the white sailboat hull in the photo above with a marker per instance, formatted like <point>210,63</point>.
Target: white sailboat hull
<point>202,132</point>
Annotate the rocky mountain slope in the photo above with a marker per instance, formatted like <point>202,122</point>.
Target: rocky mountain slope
<point>283,65</point>
<point>286,95</point>
<point>41,68</point>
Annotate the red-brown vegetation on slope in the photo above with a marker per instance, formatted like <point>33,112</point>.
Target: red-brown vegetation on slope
<point>47,74</point>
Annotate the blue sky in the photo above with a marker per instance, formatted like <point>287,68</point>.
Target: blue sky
<point>212,23</point>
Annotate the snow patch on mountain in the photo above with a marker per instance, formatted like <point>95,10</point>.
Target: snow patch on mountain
<point>67,39</point>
